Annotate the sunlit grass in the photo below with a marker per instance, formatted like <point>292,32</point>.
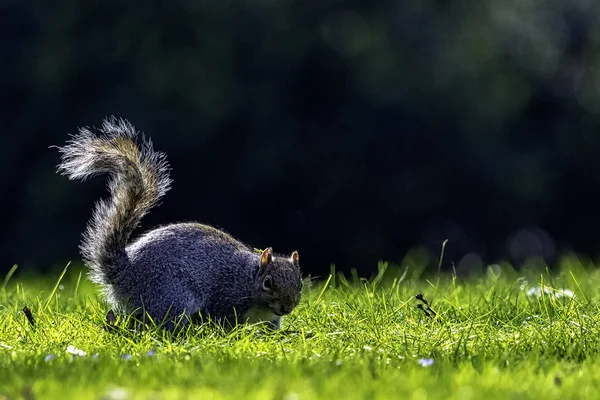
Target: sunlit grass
<point>505,334</point>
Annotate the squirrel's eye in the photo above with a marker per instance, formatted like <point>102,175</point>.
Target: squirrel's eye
<point>267,284</point>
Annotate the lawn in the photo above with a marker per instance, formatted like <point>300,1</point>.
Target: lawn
<point>504,334</point>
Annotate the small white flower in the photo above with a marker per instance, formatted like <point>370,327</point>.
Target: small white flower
<point>557,293</point>
<point>368,348</point>
<point>564,292</point>
<point>75,351</point>
<point>425,362</point>
<point>118,394</point>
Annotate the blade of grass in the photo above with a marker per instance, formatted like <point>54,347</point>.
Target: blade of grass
<point>64,271</point>
<point>8,276</point>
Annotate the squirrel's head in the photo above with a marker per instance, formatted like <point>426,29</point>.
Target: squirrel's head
<point>278,282</point>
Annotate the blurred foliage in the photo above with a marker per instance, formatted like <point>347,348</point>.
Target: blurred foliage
<point>350,130</point>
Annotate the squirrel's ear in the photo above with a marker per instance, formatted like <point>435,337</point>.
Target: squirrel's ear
<point>266,257</point>
<point>295,258</point>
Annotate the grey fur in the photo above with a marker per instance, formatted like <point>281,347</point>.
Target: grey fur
<point>176,270</point>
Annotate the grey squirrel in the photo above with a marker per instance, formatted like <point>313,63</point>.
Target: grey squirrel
<point>177,271</point>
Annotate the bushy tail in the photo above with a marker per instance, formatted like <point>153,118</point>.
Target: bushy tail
<point>139,178</point>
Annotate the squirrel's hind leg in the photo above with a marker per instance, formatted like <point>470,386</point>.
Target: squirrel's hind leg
<point>169,309</point>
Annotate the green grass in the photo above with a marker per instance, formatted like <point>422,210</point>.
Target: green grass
<point>347,339</point>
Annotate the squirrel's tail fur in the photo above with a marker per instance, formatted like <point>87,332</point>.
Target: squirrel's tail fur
<point>139,178</point>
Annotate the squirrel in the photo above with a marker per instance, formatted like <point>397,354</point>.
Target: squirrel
<point>174,272</point>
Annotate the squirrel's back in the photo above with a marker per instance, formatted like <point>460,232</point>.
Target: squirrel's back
<point>188,258</point>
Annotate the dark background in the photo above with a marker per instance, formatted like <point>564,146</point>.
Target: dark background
<point>352,131</point>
